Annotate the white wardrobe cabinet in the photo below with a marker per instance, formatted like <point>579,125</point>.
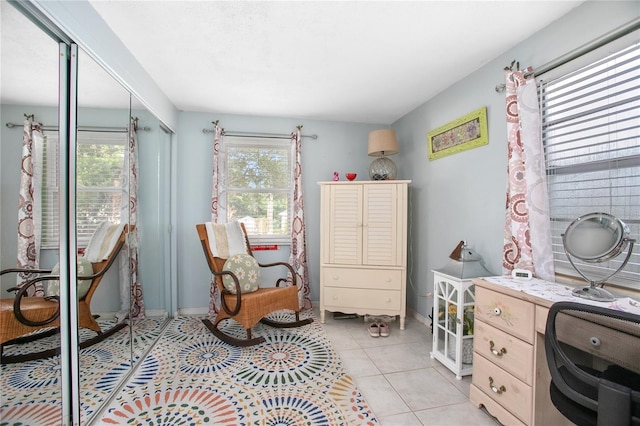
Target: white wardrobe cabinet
<point>363,255</point>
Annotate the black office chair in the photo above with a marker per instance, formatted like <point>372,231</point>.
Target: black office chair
<point>593,355</point>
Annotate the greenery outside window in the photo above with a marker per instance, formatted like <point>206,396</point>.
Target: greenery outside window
<point>99,168</point>
<point>257,190</point>
<point>591,135</point>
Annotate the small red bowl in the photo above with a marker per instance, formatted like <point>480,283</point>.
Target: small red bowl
<point>350,176</point>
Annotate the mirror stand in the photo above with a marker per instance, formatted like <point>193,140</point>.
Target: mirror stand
<point>593,292</point>
<point>595,238</point>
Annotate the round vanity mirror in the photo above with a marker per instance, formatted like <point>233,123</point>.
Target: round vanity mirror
<point>595,238</point>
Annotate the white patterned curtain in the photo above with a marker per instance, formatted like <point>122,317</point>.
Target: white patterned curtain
<point>527,239</point>
<point>298,256</point>
<point>131,301</point>
<point>214,292</point>
<point>29,209</point>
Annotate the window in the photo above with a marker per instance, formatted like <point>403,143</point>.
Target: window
<point>258,189</point>
<point>99,168</point>
<point>591,134</point>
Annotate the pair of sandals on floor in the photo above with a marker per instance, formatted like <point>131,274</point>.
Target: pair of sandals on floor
<point>378,329</point>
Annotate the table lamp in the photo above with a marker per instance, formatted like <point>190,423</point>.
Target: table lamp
<point>383,142</point>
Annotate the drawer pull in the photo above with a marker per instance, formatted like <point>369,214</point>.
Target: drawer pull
<point>595,341</point>
<point>496,352</point>
<point>335,297</point>
<point>388,299</point>
<point>497,311</point>
<point>499,390</point>
<point>335,278</point>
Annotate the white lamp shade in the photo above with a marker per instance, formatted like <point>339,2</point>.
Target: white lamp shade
<point>383,142</point>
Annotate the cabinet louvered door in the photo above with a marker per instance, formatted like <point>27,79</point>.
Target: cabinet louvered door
<point>345,228</point>
<point>380,222</point>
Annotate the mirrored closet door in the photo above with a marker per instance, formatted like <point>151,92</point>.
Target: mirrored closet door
<point>112,185</point>
<point>25,105</point>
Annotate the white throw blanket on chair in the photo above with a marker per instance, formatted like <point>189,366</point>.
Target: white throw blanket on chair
<point>226,239</point>
<point>103,241</point>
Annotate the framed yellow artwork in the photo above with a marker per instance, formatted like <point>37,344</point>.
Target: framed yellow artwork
<point>469,131</point>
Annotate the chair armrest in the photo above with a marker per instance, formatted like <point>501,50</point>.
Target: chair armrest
<point>284,280</point>
<point>25,270</point>
<point>224,292</point>
<point>22,292</point>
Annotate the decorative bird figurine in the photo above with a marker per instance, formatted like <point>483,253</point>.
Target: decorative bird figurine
<point>336,176</point>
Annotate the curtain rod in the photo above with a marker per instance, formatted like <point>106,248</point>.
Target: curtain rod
<point>615,34</point>
<point>86,128</point>
<point>259,135</point>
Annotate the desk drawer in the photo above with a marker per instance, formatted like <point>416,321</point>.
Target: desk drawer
<point>504,350</point>
<point>613,345</point>
<point>361,299</point>
<point>507,313</point>
<point>382,279</point>
<point>511,393</point>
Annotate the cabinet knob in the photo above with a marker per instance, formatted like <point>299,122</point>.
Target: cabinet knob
<point>388,299</point>
<point>497,311</point>
<point>335,297</point>
<point>498,390</point>
<point>496,352</point>
<point>595,341</point>
<point>388,280</point>
<point>335,278</point>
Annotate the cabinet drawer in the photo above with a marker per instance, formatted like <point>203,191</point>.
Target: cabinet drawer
<point>511,393</point>
<point>361,299</point>
<point>383,279</point>
<point>504,350</point>
<point>507,313</point>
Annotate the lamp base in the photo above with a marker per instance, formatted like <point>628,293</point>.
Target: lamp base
<point>383,168</point>
<point>594,293</point>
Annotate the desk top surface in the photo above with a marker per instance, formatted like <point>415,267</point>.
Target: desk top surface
<point>546,293</point>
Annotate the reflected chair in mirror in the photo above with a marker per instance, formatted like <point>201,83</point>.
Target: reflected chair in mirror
<point>27,318</point>
<point>593,354</point>
<point>237,275</point>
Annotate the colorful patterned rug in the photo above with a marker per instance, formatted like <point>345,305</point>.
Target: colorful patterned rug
<point>30,391</point>
<point>191,377</point>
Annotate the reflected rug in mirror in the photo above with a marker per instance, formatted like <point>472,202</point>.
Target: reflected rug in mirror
<point>191,377</point>
<point>30,392</point>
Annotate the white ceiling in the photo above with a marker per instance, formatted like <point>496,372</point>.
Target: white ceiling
<point>356,61</point>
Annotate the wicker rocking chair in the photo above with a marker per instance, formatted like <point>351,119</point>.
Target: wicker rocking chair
<point>247,308</point>
<point>23,315</point>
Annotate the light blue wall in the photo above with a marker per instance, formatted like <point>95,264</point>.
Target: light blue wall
<point>340,147</point>
<point>462,197</point>
<point>153,150</point>
<point>455,198</point>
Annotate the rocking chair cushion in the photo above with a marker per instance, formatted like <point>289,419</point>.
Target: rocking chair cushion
<point>85,268</point>
<point>246,269</point>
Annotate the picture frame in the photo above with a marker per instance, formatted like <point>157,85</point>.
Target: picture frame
<point>467,132</point>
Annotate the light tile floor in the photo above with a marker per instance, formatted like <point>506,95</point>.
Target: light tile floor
<point>398,378</point>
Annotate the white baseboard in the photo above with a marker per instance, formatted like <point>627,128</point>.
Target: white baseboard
<point>148,313</point>
<point>193,311</point>
<point>425,320</point>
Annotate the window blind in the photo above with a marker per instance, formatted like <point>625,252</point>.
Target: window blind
<point>99,168</point>
<point>591,135</point>
<point>256,187</point>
